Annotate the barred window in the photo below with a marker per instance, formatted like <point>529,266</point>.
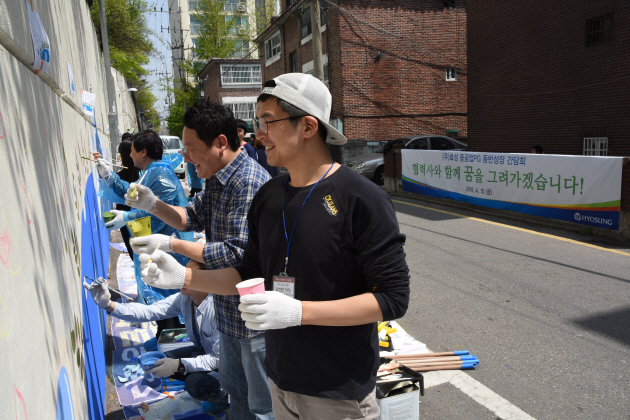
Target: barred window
<point>272,46</point>
<point>240,74</point>
<point>243,111</point>
<point>599,30</point>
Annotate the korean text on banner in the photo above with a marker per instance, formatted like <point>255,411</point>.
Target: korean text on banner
<point>579,189</point>
<point>88,99</point>
<point>41,44</point>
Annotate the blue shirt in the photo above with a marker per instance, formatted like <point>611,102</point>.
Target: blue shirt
<point>175,305</point>
<point>221,211</point>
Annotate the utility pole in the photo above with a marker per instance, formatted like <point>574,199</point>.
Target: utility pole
<point>318,61</point>
<point>111,94</point>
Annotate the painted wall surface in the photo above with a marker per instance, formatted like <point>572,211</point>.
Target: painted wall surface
<point>51,337</point>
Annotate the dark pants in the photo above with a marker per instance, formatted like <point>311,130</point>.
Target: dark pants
<point>202,386</point>
<point>124,231</point>
<point>194,191</point>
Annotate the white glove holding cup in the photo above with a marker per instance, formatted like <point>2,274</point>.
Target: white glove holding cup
<point>162,271</point>
<point>270,311</point>
<point>118,222</point>
<point>140,197</point>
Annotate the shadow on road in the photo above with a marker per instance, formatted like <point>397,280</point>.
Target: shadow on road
<point>615,325</point>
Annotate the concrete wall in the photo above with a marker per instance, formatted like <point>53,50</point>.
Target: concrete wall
<point>51,338</point>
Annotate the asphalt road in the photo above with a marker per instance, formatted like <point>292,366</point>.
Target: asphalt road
<point>546,311</point>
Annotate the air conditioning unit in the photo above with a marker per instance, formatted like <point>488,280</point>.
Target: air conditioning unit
<point>241,8</point>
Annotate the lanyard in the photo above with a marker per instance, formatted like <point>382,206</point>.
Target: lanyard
<point>289,238</point>
<point>194,326</point>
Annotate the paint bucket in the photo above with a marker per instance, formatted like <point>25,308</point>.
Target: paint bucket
<point>250,287</point>
<point>108,216</point>
<point>140,227</point>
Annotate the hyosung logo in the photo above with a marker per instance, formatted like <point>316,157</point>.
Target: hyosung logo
<point>598,220</point>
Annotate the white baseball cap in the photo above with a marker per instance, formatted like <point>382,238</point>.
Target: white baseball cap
<point>311,96</point>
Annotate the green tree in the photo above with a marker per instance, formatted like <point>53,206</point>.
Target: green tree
<point>129,47</point>
<point>183,98</point>
<point>128,35</point>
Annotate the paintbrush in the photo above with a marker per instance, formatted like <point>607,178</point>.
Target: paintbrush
<point>135,189</point>
<point>149,261</point>
<point>109,287</point>
<point>113,164</point>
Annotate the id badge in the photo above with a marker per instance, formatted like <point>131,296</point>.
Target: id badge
<point>284,284</point>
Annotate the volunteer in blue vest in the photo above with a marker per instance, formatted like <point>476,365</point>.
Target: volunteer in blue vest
<point>146,152</point>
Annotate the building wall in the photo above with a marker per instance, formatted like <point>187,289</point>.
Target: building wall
<point>533,79</point>
<point>51,230</point>
<point>387,66</point>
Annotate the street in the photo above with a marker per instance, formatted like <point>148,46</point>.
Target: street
<point>546,311</point>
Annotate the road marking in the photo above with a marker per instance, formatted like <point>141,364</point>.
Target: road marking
<point>516,228</point>
<point>478,392</point>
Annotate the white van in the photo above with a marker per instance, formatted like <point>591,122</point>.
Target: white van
<point>173,144</point>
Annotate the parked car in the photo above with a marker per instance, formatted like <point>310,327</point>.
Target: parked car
<point>172,145</point>
<point>372,165</point>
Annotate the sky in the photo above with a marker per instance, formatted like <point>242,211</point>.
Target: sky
<point>161,62</point>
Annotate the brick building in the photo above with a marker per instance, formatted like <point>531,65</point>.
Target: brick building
<point>549,74</point>
<point>233,82</point>
<point>394,68</point>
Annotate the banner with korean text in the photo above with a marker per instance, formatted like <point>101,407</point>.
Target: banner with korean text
<point>579,189</point>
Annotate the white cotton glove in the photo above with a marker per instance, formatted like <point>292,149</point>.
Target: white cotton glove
<point>104,168</point>
<point>118,222</point>
<point>162,271</point>
<point>100,294</point>
<point>149,244</point>
<point>142,199</point>
<point>270,311</point>
<point>164,368</point>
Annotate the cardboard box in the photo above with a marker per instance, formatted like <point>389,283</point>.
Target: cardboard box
<point>400,407</point>
<point>166,340</point>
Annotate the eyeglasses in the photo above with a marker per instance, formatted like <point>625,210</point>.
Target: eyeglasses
<point>262,123</point>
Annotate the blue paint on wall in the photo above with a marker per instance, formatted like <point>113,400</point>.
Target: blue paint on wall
<point>65,410</point>
<point>94,263</point>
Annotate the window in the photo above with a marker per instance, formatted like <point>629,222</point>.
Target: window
<point>243,110</point>
<point>599,30</point>
<point>195,43</point>
<point>451,74</point>
<point>293,64</point>
<point>241,48</point>
<point>438,143</point>
<point>449,3</point>
<point>192,4</point>
<point>194,25</point>
<point>238,24</point>
<point>595,146</point>
<point>417,144</point>
<point>239,74</point>
<point>261,15</point>
<point>309,68</point>
<point>306,23</point>
<point>272,47</point>
<point>323,16</point>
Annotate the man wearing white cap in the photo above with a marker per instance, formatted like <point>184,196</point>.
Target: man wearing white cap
<point>327,243</point>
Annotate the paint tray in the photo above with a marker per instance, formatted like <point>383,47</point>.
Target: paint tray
<point>140,227</point>
<point>388,389</point>
<point>147,360</point>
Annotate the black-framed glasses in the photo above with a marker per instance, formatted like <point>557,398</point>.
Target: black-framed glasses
<point>262,123</point>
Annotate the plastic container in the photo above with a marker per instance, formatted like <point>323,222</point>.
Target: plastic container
<point>250,287</point>
<point>140,227</point>
<point>147,360</point>
<point>166,341</point>
<point>108,216</point>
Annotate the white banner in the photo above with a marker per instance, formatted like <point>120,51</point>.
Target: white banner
<point>88,99</point>
<point>41,44</point>
<point>582,189</point>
